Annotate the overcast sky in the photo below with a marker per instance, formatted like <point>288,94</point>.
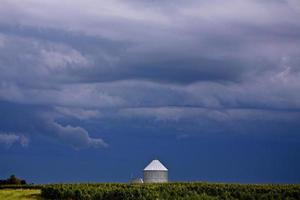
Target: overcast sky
<point>93,90</point>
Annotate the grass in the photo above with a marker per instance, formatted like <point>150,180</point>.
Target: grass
<point>20,194</point>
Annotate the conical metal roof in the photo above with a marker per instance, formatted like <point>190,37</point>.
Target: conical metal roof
<point>155,165</point>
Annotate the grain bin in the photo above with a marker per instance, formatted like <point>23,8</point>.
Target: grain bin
<point>137,180</point>
<point>155,172</point>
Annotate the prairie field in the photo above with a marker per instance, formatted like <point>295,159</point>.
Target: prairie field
<point>20,194</point>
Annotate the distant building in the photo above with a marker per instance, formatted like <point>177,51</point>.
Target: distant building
<point>137,180</point>
<point>155,172</point>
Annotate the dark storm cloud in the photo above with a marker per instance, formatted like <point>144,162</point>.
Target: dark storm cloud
<point>197,45</point>
<point>211,61</point>
<point>108,60</point>
<point>34,121</point>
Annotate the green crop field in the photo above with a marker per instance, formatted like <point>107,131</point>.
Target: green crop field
<point>171,191</point>
<point>163,191</point>
<point>20,194</point>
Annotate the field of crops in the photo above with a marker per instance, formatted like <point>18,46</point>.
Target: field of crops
<point>170,191</point>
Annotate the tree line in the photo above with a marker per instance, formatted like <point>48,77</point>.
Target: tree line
<point>13,180</point>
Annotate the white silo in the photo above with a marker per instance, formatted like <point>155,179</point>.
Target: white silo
<point>155,172</point>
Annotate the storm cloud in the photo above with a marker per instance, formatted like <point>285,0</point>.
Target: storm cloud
<point>209,62</point>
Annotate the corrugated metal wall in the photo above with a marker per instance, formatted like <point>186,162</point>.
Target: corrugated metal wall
<point>155,176</point>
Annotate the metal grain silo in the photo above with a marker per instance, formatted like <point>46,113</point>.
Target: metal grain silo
<point>155,172</point>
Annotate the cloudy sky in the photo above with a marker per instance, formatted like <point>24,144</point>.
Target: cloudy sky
<point>93,90</point>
